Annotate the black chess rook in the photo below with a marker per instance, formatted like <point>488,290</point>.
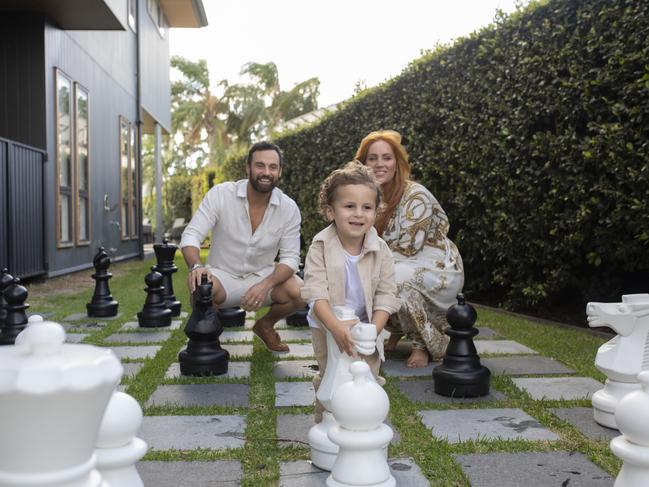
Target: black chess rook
<point>164,254</point>
<point>154,313</point>
<point>203,354</point>
<point>102,303</point>
<point>461,374</point>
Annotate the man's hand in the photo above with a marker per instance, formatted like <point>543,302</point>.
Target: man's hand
<point>194,278</point>
<point>254,298</point>
<point>343,337</point>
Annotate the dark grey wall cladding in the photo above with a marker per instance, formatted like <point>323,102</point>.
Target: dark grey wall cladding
<point>22,95</point>
<point>4,261</point>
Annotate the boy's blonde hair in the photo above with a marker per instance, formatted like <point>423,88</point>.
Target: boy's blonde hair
<point>353,172</point>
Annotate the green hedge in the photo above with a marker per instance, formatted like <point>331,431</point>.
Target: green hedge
<point>533,135</point>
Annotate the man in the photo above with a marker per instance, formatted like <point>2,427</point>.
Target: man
<point>251,221</point>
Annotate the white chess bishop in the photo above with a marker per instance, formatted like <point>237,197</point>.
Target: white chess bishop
<point>53,398</point>
<point>323,451</point>
<point>625,356</point>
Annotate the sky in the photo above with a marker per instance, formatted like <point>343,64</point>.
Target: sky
<point>342,42</point>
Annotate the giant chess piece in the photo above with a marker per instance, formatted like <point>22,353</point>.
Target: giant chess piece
<point>53,399</point>
<point>323,450</point>
<point>360,406</point>
<point>460,374</point>
<point>632,418</point>
<point>164,254</point>
<point>154,312</point>
<point>622,358</point>
<point>102,303</point>
<point>203,355</point>
<point>5,280</point>
<point>118,447</point>
<point>231,317</point>
<point>16,319</point>
<point>299,317</point>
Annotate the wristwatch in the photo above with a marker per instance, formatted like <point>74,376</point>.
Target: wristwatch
<point>195,266</point>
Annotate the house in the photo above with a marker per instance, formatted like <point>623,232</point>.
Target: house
<point>80,82</point>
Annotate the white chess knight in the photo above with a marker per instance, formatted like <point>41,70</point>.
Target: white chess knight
<point>632,417</point>
<point>360,406</point>
<point>323,451</point>
<point>54,396</point>
<point>623,357</point>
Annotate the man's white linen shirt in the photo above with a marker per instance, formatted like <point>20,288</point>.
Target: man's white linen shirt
<point>234,248</point>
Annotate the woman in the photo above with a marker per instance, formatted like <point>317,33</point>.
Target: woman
<point>428,266</point>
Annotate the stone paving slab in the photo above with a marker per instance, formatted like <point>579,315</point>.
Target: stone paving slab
<point>295,334</point>
<point>131,369</point>
<point>294,394</point>
<point>559,387</point>
<point>235,370</point>
<point>238,351</point>
<point>582,419</point>
<point>87,326</point>
<point>301,473</point>
<point>135,353</point>
<point>559,469</point>
<point>293,430</point>
<point>534,364</point>
<point>424,391</point>
<point>192,432</point>
<point>501,346</point>
<point>484,332</point>
<point>134,325</point>
<point>280,325</point>
<point>75,337</point>
<point>226,473</point>
<point>460,425</point>
<point>296,350</point>
<point>295,368</point>
<point>84,316</point>
<point>140,337</point>
<point>200,395</point>
<point>236,336</point>
<point>397,368</point>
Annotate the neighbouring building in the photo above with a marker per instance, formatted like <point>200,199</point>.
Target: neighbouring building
<point>80,82</point>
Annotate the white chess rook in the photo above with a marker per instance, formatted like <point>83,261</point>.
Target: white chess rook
<point>360,406</point>
<point>632,417</point>
<point>323,451</point>
<point>53,397</point>
<point>118,448</point>
<point>625,356</point>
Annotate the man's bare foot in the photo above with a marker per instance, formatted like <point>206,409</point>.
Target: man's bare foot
<point>418,358</point>
<point>391,346</point>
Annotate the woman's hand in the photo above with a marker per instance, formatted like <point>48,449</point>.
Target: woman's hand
<point>342,335</point>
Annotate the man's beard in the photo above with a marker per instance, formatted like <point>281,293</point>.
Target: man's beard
<point>262,189</point>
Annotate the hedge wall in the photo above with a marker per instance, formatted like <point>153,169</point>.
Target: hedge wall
<point>533,135</point>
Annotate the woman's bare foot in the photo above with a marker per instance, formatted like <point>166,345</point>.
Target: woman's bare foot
<point>391,346</point>
<point>418,358</point>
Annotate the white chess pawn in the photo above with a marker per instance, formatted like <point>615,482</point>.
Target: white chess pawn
<point>323,451</point>
<point>632,418</point>
<point>118,448</point>
<point>360,406</point>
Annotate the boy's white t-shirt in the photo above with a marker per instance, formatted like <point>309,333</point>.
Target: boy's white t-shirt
<point>354,295</point>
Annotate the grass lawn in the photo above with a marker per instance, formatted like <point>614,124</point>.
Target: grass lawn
<point>261,455</point>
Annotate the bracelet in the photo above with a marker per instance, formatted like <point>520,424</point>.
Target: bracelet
<point>195,266</point>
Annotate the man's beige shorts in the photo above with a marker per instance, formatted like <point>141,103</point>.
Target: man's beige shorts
<point>235,286</point>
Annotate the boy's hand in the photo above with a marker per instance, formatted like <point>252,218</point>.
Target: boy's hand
<point>343,336</point>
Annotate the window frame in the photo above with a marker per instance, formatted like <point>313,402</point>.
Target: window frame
<point>131,13</point>
<point>125,213</point>
<point>69,190</point>
<point>78,193</point>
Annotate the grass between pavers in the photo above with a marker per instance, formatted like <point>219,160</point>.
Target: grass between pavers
<point>261,455</point>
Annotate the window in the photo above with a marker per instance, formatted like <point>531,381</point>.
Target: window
<point>128,180</point>
<point>157,15</point>
<point>131,6</point>
<point>64,168</point>
<point>134,182</point>
<point>82,152</point>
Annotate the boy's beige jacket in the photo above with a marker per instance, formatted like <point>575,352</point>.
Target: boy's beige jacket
<point>324,272</point>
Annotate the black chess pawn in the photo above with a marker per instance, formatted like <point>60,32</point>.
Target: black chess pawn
<point>203,355</point>
<point>154,312</point>
<point>460,374</point>
<point>102,303</point>
<point>16,319</point>
<point>231,317</point>
<point>298,318</point>
<point>6,279</point>
<point>164,254</point>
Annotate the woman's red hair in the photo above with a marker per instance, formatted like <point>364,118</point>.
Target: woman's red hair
<point>392,191</point>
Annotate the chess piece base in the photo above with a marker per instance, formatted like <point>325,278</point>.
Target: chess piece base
<point>117,465</point>
<point>102,310</point>
<point>174,306</point>
<point>155,320</point>
<point>215,363</point>
<point>323,450</point>
<point>606,400</point>
<point>635,469</point>
<point>461,377</point>
<point>232,317</point>
<point>298,318</point>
